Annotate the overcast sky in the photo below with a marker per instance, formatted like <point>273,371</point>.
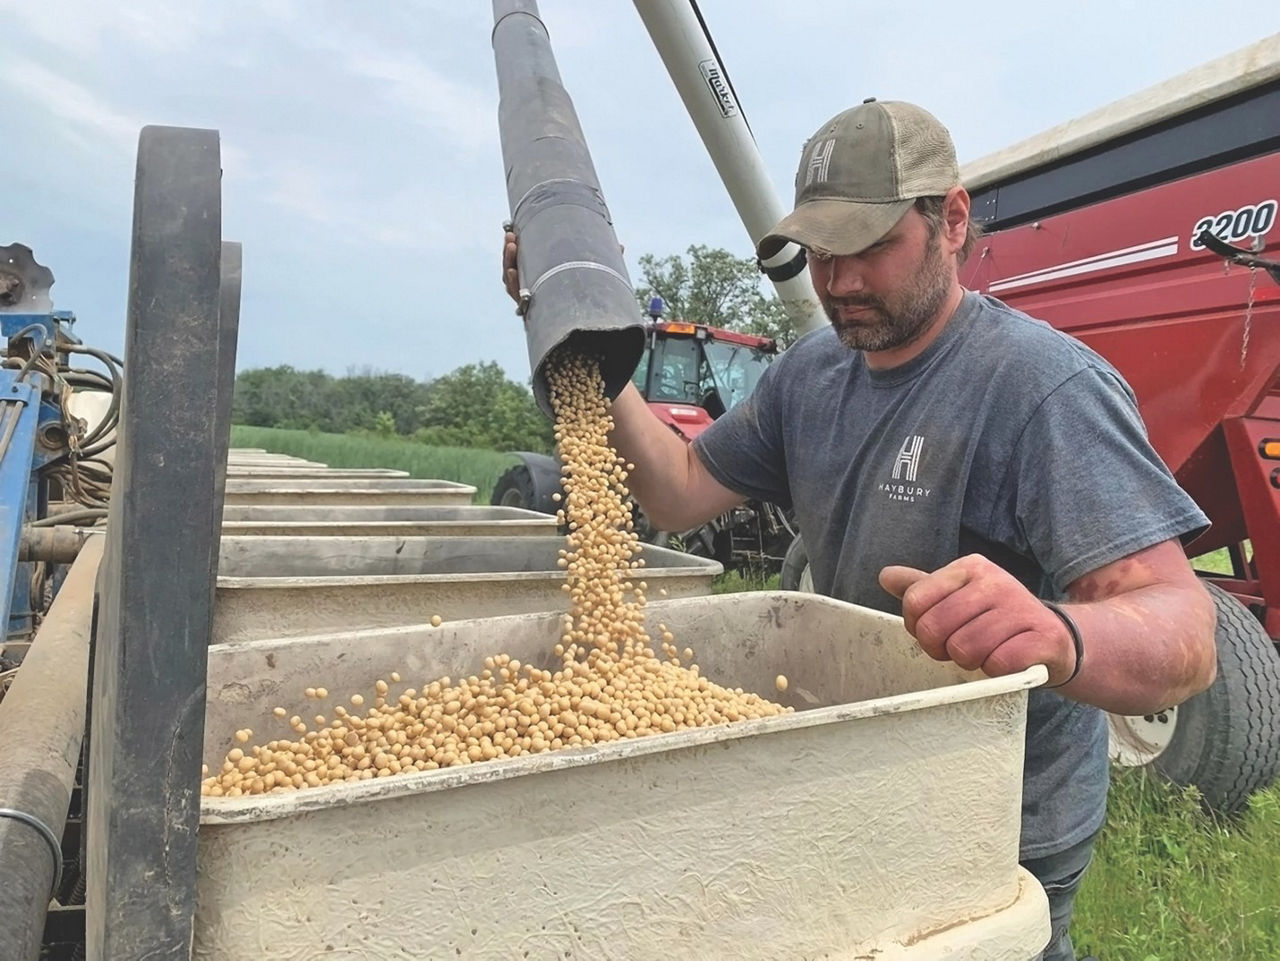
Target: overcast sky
<point>360,145</point>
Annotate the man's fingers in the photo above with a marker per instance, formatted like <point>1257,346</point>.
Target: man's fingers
<point>509,260</point>
<point>924,592</point>
<point>1016,654</point>
<point>896,579</point>
<point>977,615</point>
<point>510,275</point>
<point>920,591</point>
<point>973,640</point>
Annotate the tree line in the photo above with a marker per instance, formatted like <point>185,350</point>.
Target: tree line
<point>477,405</point>
<point>473,406</point>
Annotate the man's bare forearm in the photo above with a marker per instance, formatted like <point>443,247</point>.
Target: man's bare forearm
<point>1146,649</point>
<point>669,483</point>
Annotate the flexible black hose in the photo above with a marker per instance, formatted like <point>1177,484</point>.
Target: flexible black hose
<point>114,368</point>
<point>70,517</point>
<point>87,378</point>
<point>111,360</point>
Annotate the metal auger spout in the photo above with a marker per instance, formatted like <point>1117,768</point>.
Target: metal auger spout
<point>575,290</point>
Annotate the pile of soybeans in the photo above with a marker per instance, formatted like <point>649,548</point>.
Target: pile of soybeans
<point>612,684</point>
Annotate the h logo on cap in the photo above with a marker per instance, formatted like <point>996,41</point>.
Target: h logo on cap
<point>819,161</point>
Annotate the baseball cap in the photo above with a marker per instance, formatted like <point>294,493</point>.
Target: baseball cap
<point>860,173</point>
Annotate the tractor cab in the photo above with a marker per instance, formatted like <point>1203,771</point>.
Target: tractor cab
<point>691,374</point>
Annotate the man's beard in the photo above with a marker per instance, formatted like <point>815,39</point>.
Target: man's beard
<point>901,319</point>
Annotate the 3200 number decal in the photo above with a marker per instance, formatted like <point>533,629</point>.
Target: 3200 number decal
<point>1251,220</point>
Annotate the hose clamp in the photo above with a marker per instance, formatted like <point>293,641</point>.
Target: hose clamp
<point>55,848</point>
<point>577,265</point>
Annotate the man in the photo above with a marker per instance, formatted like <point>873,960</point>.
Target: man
<point>960,463</point>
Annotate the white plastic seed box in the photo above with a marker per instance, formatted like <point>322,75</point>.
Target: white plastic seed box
<point>260,472</point>
<point>387,520</point>
<point>235,458</point>
<point>319,490</point>
<point>289,586</point>
<point>879,821</point>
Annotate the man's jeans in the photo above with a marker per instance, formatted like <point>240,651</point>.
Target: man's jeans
<point>1060,875</point>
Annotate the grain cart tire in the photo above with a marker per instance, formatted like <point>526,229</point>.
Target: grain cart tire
<point>796,575</point>
<point>514,488</point>
<point>1225,740</point>
<point>530,484</point>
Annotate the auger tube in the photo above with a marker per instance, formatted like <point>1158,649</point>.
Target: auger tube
<point>683,42</point>
<point>575,290</point>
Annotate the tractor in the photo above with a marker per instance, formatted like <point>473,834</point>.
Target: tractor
<point>689,374</point>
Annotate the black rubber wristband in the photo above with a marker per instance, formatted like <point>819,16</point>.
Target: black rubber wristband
<point>1076,639</point>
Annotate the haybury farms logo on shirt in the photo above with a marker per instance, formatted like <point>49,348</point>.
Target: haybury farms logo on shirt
<point>904,484</point>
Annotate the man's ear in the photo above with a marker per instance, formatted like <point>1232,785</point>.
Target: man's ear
<point>955,218</point>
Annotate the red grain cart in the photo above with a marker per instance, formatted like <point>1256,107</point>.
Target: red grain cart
<point>1150,230</point>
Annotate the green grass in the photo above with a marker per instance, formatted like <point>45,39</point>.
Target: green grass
<point>734,582</point>
<point>1172,883</point>
<point>1214,563</point>
<point>479,468</point>
<point>1218,562</point>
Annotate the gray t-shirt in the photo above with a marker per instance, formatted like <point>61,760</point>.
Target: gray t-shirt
<point>1006,438</point>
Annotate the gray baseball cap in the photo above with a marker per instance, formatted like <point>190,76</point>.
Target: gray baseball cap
<point>860,173</point>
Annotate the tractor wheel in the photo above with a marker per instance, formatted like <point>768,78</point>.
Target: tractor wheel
<point>1225,740</point>
<point>515,489</point>
<point>796,575</point>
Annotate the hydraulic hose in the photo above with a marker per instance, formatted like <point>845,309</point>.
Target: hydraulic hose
<point>41,728</point>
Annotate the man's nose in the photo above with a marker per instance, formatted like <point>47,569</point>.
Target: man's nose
<point>846,277</point>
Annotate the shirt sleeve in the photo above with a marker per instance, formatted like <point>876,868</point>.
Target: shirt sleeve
<point>1087,486</point>
<point>743,449</point>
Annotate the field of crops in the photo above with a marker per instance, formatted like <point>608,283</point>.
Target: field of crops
<point>1168,882</point>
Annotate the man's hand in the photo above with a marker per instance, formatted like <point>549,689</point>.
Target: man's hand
<point>1146,621</point>
<point>510,277</point>
<point>978,615</point>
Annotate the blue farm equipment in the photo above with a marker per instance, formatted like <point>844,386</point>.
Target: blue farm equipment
<point>55,467</point>
<point>110,500</point>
